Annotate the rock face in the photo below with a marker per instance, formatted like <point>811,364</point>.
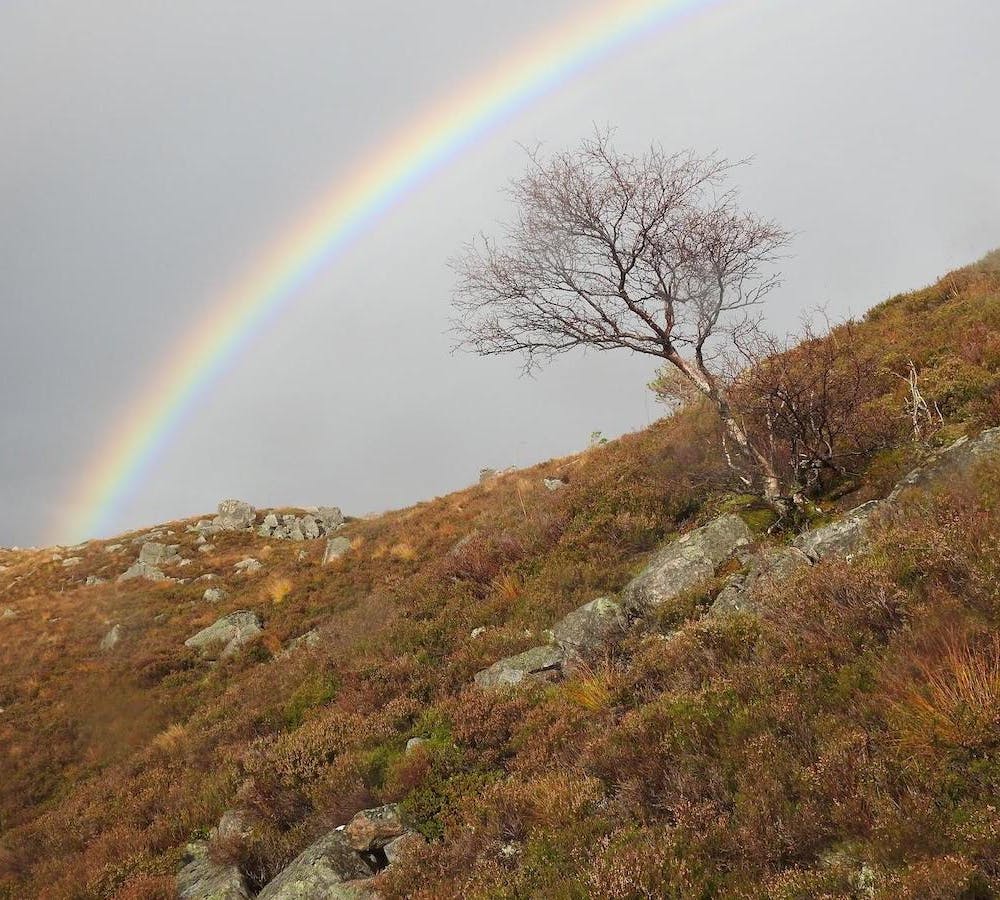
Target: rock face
<point>335,548</point>
<point>328,869</point>
<point>235,515</point>
<point>841,538</point>
<point>157,554</point>
<point>536,664</point>
<point>111,639</point>
<point>372,829</point>
<point>771,565</point>
<point>962,454</point>
<point>684,563</point>
<point>594,625</point>
<point>230,633</point>
<point>201,879</point>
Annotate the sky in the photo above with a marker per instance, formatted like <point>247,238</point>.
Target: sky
<point>151,154</point>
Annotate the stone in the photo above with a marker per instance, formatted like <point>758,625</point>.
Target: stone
<point>235,515</point>
<point>589,628</point>
<point>295,533</point>
<point>686,562</point>
<point>327,868</point>
<point>553,484</point>
<point>477,632</point>
<point>248,566</point>
<point>8,613</point>
<point>537,664</point>
<point>114,548</point>
<point>230,633</point>
<point>154,553</point>
<point>309,528</point>
<point>336,547</point>
<point>330,518</point>
<point>768,567</point>
<point>72,561</point>
<point>94,579</point>
<point>111,639</point>
<point>234,825</point>
<point>214,595</point>
<point>202,879</point>
<point>399,847</point>
<point>414,743</point>
<point>372,829</point>
<point>206,548</point>
<point>139,569</point>
<point>959,455</point>
<point>270,522</point>
<point>310,639</point>
<point>841,538</point>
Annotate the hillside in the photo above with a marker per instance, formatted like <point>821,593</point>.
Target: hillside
<point>835,735</point>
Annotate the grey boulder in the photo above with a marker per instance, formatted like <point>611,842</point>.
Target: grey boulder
<point>686,562</point>
<point>140,569</point>
<point>597,624</point>
<point>537,664</point>
<point>768,567</point>
<point>841,538</point>
<point>235,515</point>
<point>202,879</point>
<point>336,547</point>
<point>230,633</point>
<point>329,868</point>
<point>154,553</point>
<point>957,456</point>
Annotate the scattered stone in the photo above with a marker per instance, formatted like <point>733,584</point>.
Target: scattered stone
<point>768,567</point>
<point>553,484</point>
<point>72,561</point>
<point>235,515</point>
<point>686,562</point>
<point>414,743</point>
<point>154,553</point>
<point>248,566</point>
<point>841,538</point>
<point>9,613</point>
<point>230,632</point>
<point>330,868</point>
<point>94,579</point>
<point>206,548</point>
<point>139,569</point>
<point>477,632</point>
<point>214,595</point>
<point>329,517</point>
<point>537,664</point>
<point>336,547</point>
<point>594,625</point>
<point>202,879</point>
<point>111,639</point>
<point>208,576</point>
<point>310,639</point>
<point>372,829</point>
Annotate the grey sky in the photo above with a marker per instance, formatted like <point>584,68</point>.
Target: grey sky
<point>151,152</point>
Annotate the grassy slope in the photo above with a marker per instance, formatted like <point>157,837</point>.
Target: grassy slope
<point>774,757</point>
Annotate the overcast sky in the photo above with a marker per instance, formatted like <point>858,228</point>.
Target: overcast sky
<point>151,152</point>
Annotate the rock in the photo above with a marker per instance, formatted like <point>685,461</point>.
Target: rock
<point>202,879</point>
<point>589,628</point>
<point>536,664</point>
<point>214,595</point>
<point>8,613</point>
<point>553,484</point>
<point>402,845</point>
<point>94,579</point>
<point>72,561</point>
<point>414,743</point>
<point>328,869</point>
<point>486,474</point>
<point>270,522</point>
<point>309,528</point>
<point>477,632</point>
<point>113,548</point>
<point>234,825</point>
<point>208,576</point>
<point>336,547</point>
<point>139,569</point>
<point>230,632</point>
<point>841,538</point>
<point>310,639</point>
<point>206,548</point>
<point>771,565</point>
<point>204,527</point>
<point>330,518</point>
<point>111,639</point>
<point>686,562</point>
<point>372,829</point>
<point>957,456</point>
<point>295,533</point>
<point>235,515</point>
<point>157,554</point>
<point>248,566</point>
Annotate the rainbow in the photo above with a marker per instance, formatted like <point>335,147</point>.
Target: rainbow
<point>353,203</point>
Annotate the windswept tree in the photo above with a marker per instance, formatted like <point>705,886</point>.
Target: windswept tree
<point>651,254</point>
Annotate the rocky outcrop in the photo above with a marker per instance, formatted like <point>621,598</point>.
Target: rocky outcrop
<point>226,635</point>
<point>537,664</point>
<point>235,515</point>
<point>769,566</point>
<point>686,562</point>
<point>329,868</point>
<point>335,548</point>
<point>154,553</point>
<point>372,829</point>
<point>597,624</point>
<point>202,879</point>
<point>841,538</point>
<point>957,456</point>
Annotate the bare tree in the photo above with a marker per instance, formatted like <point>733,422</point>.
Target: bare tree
<point>647,253</point>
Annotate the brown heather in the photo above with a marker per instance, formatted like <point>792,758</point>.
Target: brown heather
<point>844,743</point>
